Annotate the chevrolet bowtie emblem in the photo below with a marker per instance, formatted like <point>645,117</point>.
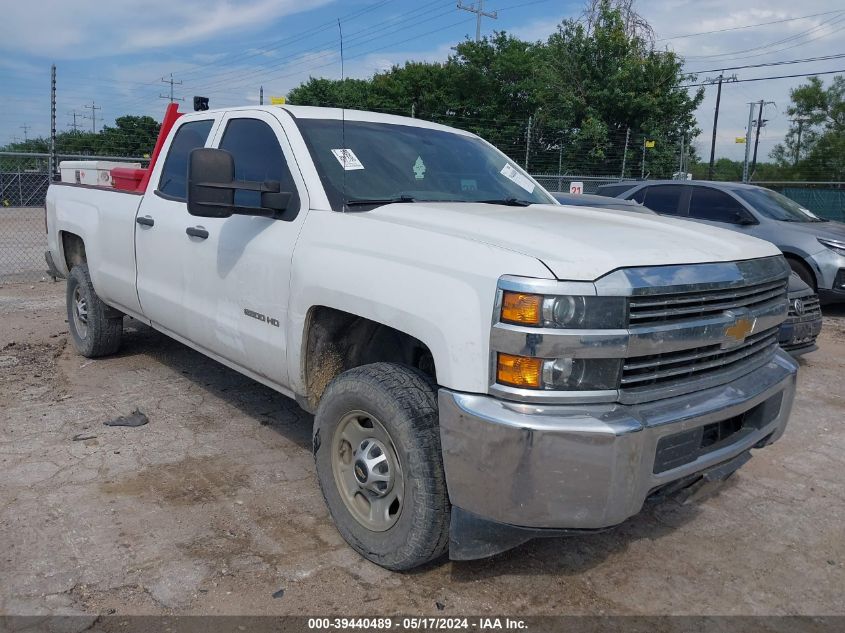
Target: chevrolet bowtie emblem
<point>737,332</point>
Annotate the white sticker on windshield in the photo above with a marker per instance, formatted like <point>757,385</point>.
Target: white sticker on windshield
<point>509,172</point>
<point>347,159</point>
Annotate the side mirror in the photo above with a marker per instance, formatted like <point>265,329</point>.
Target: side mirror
<point>209,171</point>
<point>743,218</point>
<point>212,186</point>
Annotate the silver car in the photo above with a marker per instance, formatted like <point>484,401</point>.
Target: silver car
<point>814,247</point>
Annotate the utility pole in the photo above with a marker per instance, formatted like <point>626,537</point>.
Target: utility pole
<point>413,110</point>
<point>172,82</point>
<point>54,164</point>
<point>624,152</point>
<point>760,123</point>
<point>261,95</point>
<point>25,129</point>
<point>681,162</point>
<point>800,123</point>
<point>74,126</point>
<point>718,80</point>
<point>642,164</point>
<point>478,10</point>
<point>528,141</point>
<point>93,107</point>
<point>748,141</point>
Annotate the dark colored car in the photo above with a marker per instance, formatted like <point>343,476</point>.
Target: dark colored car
<point>814,247</point>
<point>802,326</point>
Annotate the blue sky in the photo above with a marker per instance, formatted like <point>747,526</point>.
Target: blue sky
<point>115,53</point>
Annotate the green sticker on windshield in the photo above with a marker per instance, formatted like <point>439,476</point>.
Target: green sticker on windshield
<point>419,168</point>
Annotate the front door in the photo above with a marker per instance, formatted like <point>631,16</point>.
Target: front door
<point>236,304</point>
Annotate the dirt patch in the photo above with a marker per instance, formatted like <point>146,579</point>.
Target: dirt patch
<point>195,480</point>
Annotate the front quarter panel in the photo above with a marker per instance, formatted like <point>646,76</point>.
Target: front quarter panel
<point>435,287</point>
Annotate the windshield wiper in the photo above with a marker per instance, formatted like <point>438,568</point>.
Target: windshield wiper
<point>510,202</point>
<point>377,201</point>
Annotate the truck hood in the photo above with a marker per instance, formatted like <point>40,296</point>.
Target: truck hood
<point>578,243</point>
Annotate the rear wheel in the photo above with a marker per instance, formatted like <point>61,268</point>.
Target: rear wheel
<point>802,270</point>
<point>377,452</point>
<point>94,328</point>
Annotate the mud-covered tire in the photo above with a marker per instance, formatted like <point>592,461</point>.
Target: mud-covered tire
<point>404,403</point>
<point>95,328</point>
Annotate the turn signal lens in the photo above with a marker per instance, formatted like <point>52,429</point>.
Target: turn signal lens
<point>519,371</point>
<point>521,308</point>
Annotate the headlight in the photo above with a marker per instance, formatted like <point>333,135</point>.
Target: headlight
<point>567,311</point>
<point>558,374</point>
<point>835,245</point>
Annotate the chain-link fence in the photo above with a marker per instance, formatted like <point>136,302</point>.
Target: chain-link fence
<point>24,179</point>
<point>562,182</point>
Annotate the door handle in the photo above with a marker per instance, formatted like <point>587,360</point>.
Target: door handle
<point>145,220</point>
<point>197,231</point>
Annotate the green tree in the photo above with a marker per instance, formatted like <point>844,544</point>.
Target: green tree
<point>581,90</point>
<point>602,81</point>
<point>814,147</point>
<point>130,136</point>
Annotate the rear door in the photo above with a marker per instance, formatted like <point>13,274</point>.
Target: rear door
<point>162,248</point>
<point>663,199</point>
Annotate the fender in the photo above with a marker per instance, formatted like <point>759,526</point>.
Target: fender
<point>437,288</point>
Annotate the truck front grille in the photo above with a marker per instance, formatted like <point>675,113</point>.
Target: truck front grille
<point>663,308</point>
<point>677,367</point>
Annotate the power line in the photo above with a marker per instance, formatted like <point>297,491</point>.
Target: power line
<point>827,72</point>
<point>779,63</point>
<point>746,26</point>
<point>791,38</point>
<point>25,128</point>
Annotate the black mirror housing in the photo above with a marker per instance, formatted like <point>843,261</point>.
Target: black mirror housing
<point>212,186</point>
<point>211,174</point>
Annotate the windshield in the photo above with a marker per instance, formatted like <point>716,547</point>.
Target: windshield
<point>402,163</point>
<point>776,206</point>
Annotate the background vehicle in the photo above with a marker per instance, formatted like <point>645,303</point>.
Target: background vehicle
<point>592,200</point>
<point>803,324</point>
<point>485,365</point>
<point>814,247</point>
<point>798,333</point>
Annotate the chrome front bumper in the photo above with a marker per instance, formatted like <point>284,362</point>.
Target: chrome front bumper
<point>593,466</point>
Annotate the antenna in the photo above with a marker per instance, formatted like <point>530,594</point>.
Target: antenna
<point>342,113</point>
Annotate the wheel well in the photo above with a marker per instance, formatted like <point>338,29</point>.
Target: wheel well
<point>797,258</point>
<point>74,249</point>
<point>337,341</point>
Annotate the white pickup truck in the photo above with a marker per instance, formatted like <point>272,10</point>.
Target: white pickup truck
<point>485,365</point>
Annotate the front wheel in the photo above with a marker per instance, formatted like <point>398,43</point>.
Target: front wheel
<point>377,452</point>
<point>93,329</point>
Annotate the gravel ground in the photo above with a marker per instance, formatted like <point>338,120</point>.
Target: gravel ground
<point>213,506</point>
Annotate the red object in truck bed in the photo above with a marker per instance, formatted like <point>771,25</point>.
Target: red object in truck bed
<point>128,179</point>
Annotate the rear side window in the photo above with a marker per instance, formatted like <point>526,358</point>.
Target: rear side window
<point>258,157</point>
<point>715,205</point>
<point>174,174</point>
<point>660,198</point>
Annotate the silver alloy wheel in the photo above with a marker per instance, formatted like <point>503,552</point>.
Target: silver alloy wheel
<point>367,471</point>
<point>80,312</point>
